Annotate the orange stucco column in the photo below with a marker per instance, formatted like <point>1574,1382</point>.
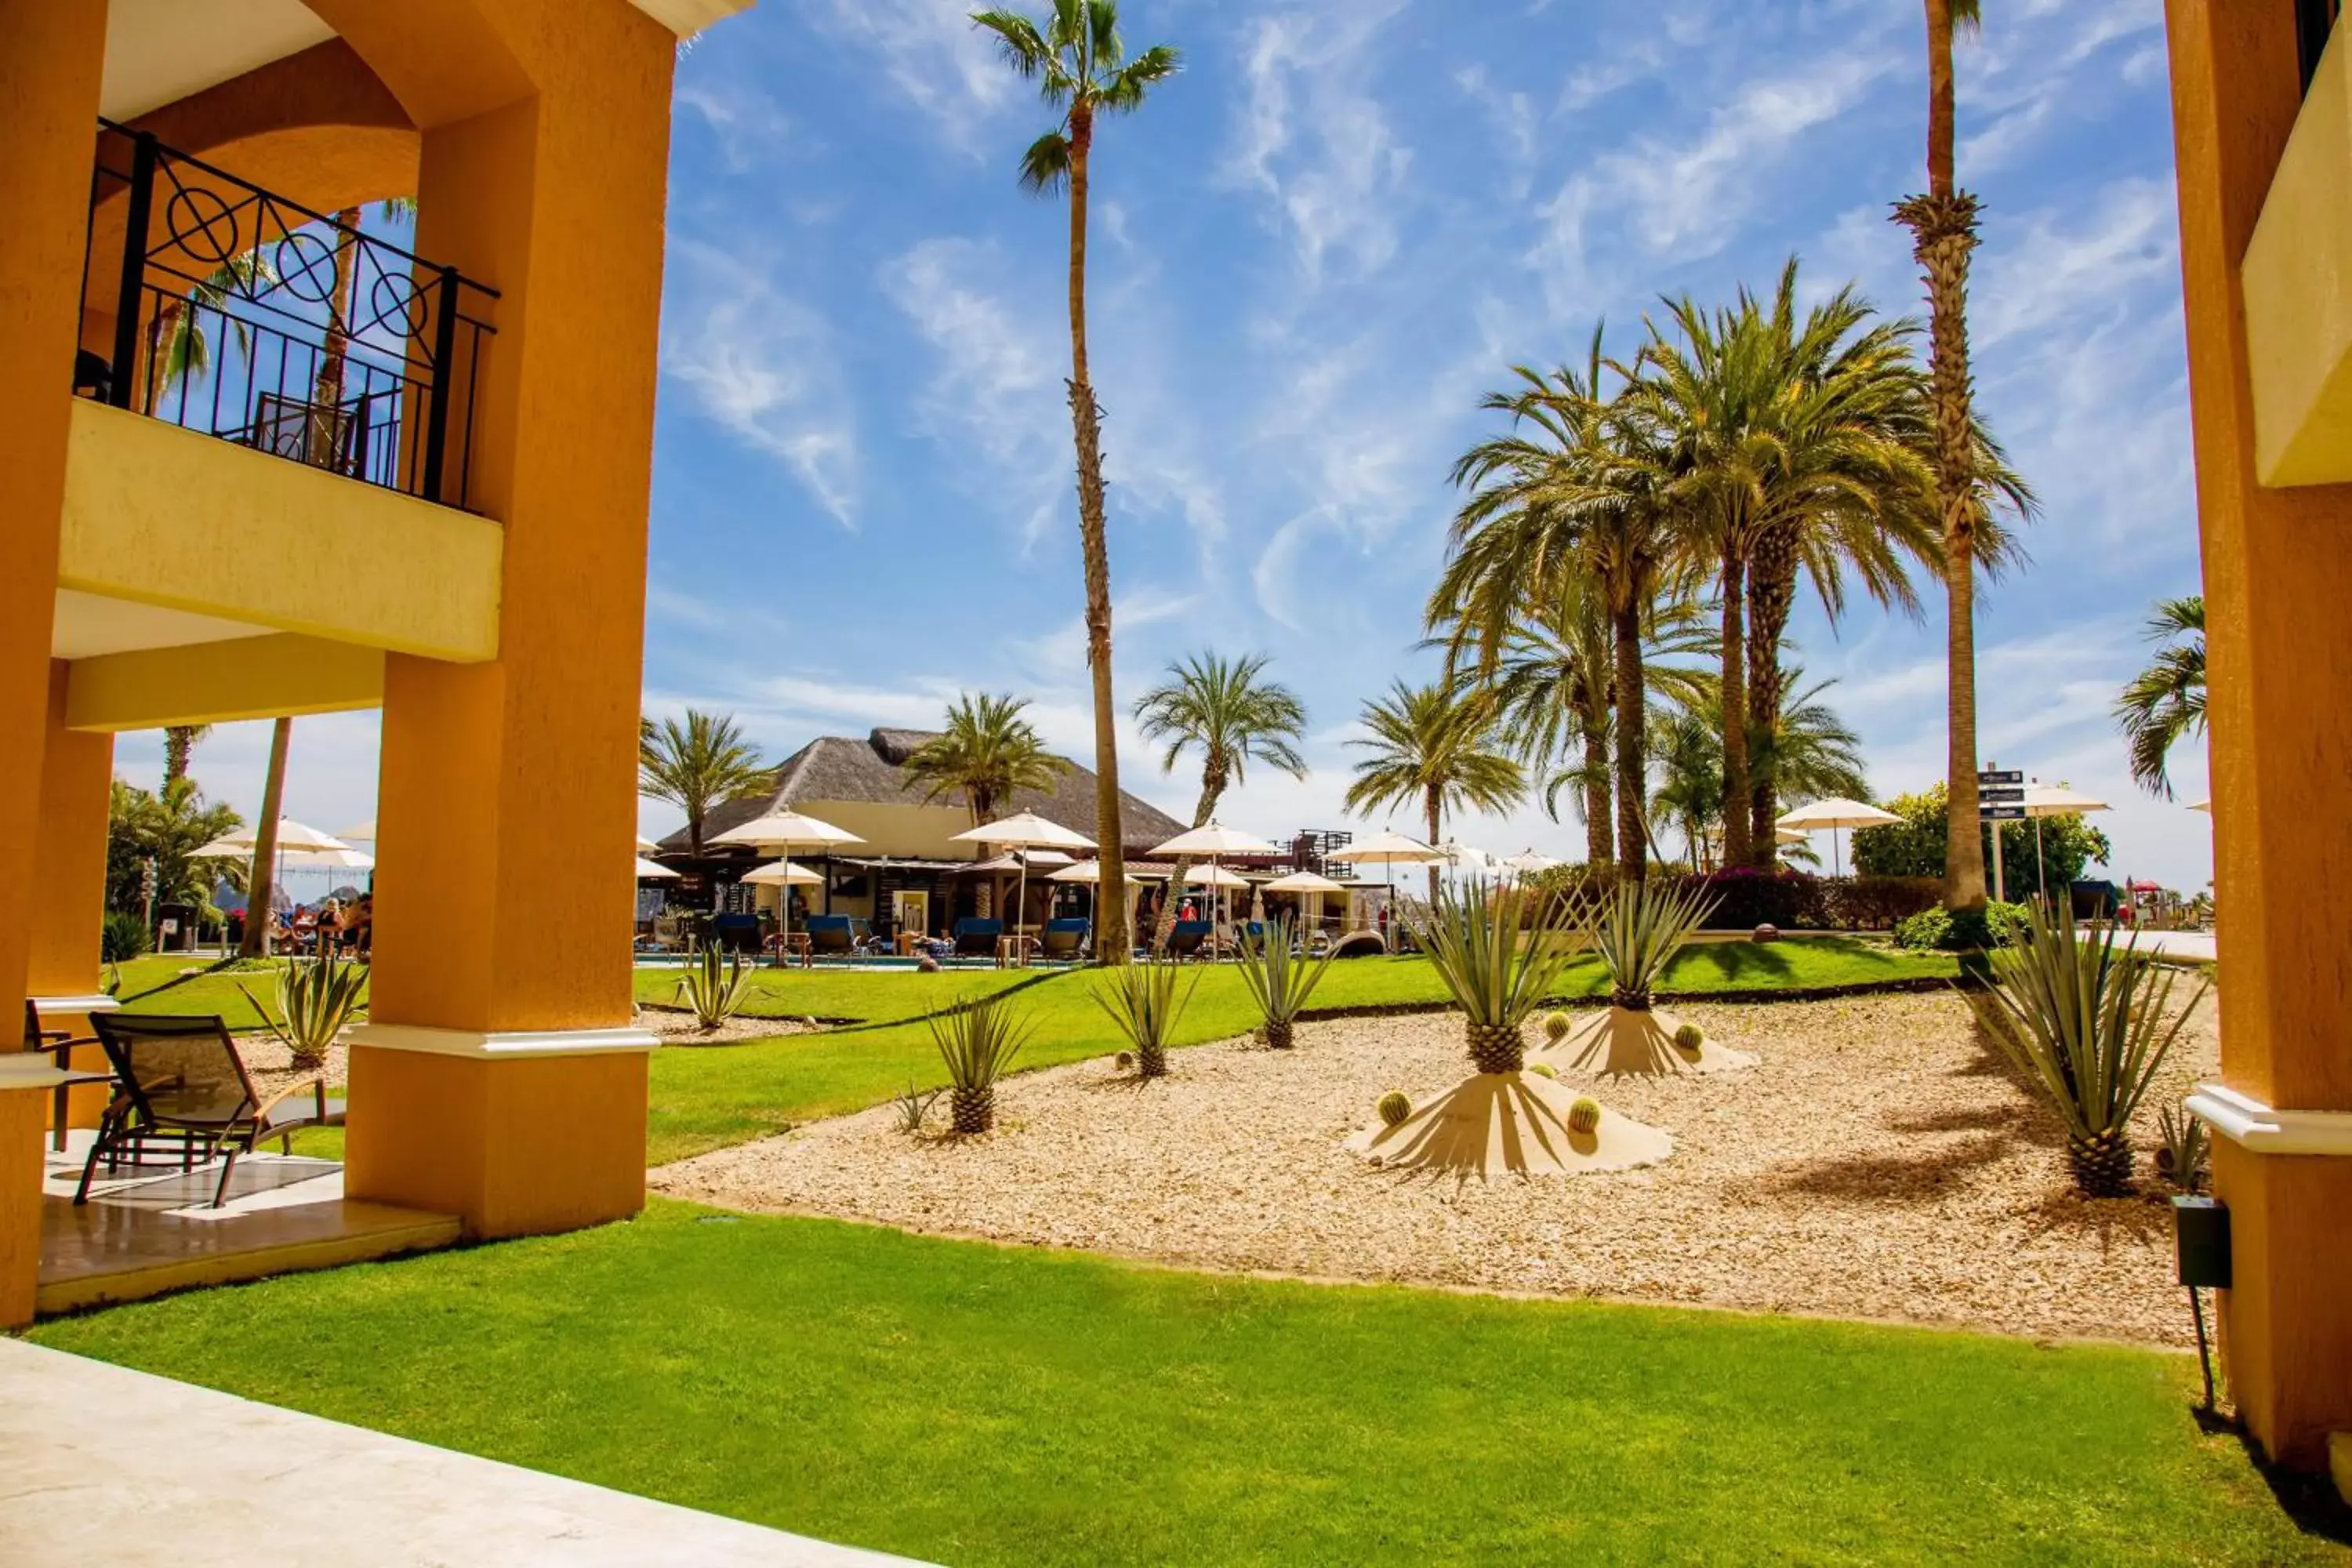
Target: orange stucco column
<point>2278,571</point>
<point>51,57</point>
<point>69,886</point>
<point>498,1075</point>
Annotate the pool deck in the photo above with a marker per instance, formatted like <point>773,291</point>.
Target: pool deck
<point>107,1464</point>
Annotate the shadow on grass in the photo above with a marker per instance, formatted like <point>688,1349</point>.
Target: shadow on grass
<point>1732,960</point>
<point>2309,1499</point>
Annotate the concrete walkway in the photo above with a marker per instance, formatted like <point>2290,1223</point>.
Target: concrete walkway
<point>106,1464</point>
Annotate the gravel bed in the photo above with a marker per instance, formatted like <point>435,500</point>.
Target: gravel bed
<point>1879,1164</point>
<point>678,1027</point>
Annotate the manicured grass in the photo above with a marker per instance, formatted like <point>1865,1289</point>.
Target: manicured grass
<point>154,984</point>
<point>866,995</point>
<point>974,1404</point>
<point>705,1099</point>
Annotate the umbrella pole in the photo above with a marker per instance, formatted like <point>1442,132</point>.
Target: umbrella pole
<point>2041,876</point>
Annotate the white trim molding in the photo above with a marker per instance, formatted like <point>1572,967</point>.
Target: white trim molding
<point>28,1069</point>
<point>504,1046</point>
<point>48,1006</point>
<point>2249,1123</point>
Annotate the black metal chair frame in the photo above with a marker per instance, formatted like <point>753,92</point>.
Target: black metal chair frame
<point>60,1042</point>
<point>132,1122</point>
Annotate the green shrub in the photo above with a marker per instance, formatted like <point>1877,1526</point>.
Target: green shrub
<point>1690,1039</point>
<point>1964,930</point>
<point>123,936</point>
<point>1145,1001</point>
<point>1394,1107</point>
<point>1584,1116</point>
<point>978,1040</point>
<point>1545,1069</point>
<point>1556,1026</point>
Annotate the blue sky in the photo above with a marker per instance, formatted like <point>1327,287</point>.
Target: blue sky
<point>1313,252</point>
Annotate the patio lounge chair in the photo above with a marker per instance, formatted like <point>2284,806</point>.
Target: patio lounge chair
<point>837,936</point>
<point>179,1082</point>
<point>59,1043</point>
<point>976,938</point>
<point>1066,939</point>
<point>1185,938</point>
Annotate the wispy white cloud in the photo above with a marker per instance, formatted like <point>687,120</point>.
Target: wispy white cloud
<point>760,364</point>
<point>747,122</point>
<point>931,54</point>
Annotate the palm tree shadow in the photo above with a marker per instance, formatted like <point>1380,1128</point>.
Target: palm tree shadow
<point>1726,961</point>
<point>1926,1176</point>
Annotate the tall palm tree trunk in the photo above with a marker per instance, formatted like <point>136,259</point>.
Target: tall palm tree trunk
<point>326,433</point>
<point>1598,844</point>
<point>1737,849</point>
<point>1943,224</point>
<point>1212,789</point>
<point>1771,594</point>
<point>1111,943</point>
<point>262,883</point>
<point>1632,763</point>
<point>1434,804</point>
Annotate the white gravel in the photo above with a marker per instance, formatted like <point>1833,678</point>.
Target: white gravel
<point>1878,1164</point>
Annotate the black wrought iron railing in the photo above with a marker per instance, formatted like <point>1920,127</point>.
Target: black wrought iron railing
<point>244,315</point>
<point>2314,21</point>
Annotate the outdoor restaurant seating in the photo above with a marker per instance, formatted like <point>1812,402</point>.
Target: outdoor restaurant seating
<point>1065,938</point>
<point>181,1085</point>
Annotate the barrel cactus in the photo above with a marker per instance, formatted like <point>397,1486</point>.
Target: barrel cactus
<point>1394,1107</point>
<point>1545,1068</point>
<point>1556,1026</point>
<point>1584,1116</point>
<point>1690,1039</point>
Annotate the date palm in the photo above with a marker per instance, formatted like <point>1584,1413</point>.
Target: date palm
<point>1225,710</point>
<point>1081,67</point>
<point>261,877</point>
<point>1433,747</point>
<point>2165,701</point>
<point>1576,489</point>
<point>1943,224</point>
<point>1554,691</point>
<point>987,754</point>
<point>179,748</point>
<point>695,765</point>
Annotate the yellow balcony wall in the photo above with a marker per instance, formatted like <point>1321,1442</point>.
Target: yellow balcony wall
<point>170,517</point>
<point>2298,290</point>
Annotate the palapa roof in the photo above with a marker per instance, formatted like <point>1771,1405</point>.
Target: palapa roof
<point>842,767</point>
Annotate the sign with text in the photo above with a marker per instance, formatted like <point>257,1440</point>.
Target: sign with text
<point>2001,776</point>
<point>2000,814</point>
<point>2002,795</point>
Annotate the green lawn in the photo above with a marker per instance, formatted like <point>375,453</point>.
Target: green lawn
<point>971,1404</point>
<point>154,984</point>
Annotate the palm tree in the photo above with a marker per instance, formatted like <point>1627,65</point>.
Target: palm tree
<point>1433,747</point>
<point>166,828</point>
<point>1554,689</point>
<point>1808,752</point>
<point>1689,794</point>
<point>2165,701</point>
<point>986,752</point>
<point>695,765</point>
<point>1943,224</point>
<point>1576,489</point>
<point>261,880</point>
<point>327,393</point>
<point>1220,708</point>
<point>1081,66</point>
<point>179,747</point>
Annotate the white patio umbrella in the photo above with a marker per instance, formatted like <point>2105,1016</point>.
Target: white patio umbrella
<point>1528,861</point>
<point>1306,883</point>
<point>1025,830</point>
<point>778,873</point>
<point>1215,877</point>
<point>649,872</point>
<point>2054,800</point>
<point>1388,849</point>
<point>1836,815</point>
<point>1215,840</point>
<point>645,846</point>
<point>365,831</point>
<point>784,829</point>
<point>1088,872</point>
<point>292,835</point>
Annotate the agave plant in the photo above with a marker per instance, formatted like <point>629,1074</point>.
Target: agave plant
<point>317,998</point>
<point>2184,1149</point>
<point>2084,1019</point>
<point>978,1040</point>
<point>1279,981</point>
<point>714,986</point>
<point>1499,949</point>
<point>1145,1000</point>
<point>1637,928</point>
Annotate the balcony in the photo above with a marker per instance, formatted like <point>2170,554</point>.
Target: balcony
<point>217,306</point>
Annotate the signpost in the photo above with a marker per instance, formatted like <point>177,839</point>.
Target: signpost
<point>2001,798</point>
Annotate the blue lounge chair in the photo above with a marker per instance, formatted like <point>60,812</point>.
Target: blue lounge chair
<point>837,936</point>
<point>1185,940</point>
<point>1066,940</point>
<point>976,938</point>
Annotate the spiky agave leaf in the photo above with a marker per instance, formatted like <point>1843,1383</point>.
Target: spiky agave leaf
<point>976,1039</point>
<point>1145,1001</point>
<point>1636,928</point>
<point>1278,980</point>
<point>2084,1019</point>
<point>715,991</point>
<point>1498,948</point>
<point>316,997</point>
